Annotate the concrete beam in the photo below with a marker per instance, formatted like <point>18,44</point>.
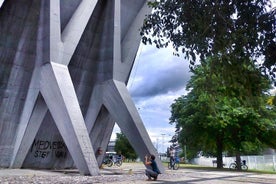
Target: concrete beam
<point>128,119</point>
<point>59,94</point>
<point>27,132</point>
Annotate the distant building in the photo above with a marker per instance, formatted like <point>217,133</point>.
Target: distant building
<point>111,146</point>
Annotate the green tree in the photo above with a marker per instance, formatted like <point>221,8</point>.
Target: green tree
<point>222,28</point>
<point>225,113</point>
<point>234,34</point>
<point>123,146</point>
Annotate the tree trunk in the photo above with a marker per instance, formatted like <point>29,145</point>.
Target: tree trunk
<point>219,153</point>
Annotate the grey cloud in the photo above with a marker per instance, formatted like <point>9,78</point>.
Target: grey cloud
<point>161,82</point>
<point>159,72</point>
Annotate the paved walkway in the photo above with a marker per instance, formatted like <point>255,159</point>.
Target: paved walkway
<point>133,173</point>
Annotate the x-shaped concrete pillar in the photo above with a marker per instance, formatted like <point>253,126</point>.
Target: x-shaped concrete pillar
<point>112,99</point>
<point>53,81</point>
<point>52,89</point>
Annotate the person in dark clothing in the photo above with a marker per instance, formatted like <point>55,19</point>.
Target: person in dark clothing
<point>154,171</point>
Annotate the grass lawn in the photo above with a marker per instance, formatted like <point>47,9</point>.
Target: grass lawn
<point>191,166</point>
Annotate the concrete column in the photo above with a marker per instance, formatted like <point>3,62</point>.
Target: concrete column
<point>27,133</point>
<point>128,119</point>
<point>59,94</point>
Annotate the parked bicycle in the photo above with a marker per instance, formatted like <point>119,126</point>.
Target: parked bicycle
<point>118,162</point>
<point>107,161</point>
<point>111,160</point>
<point>234,166</point>
<point>174,164</point>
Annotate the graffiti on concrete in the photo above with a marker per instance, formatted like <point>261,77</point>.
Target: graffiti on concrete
<point>44,148</point>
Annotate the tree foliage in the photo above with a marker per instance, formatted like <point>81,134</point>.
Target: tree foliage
<point>226,107</point>
<point>225,113</point>
<point>123,146</point>
<point>227,29</point>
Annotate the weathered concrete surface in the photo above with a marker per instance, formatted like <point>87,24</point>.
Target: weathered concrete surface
<point>64,69</point>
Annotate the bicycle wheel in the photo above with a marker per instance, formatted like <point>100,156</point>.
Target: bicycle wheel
<point>118,163</point>
<point>233,166</point>
<point>169,165</point>
<point>176,166</point>
<point>109,162</point>
<point>244,167</point>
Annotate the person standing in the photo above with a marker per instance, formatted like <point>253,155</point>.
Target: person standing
<point>153,171</point>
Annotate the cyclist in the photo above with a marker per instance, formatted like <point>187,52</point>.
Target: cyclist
<point>172,156</point>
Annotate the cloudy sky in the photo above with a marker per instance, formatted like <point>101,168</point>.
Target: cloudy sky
<point>158,77</point>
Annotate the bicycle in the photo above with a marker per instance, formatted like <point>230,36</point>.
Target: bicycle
<point>108,162</point>
<point>174,164</point>
<point>118,162</point>
<point>234,166</point>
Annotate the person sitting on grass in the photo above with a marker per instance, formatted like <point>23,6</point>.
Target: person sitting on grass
<point>154,171</point>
